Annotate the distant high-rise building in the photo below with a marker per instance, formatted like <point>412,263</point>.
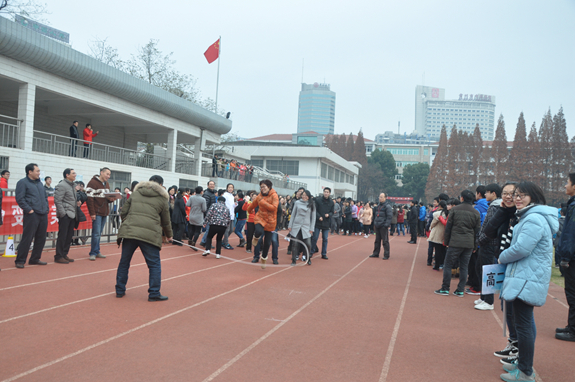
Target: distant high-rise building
<point>316,111</point>
<point>432,111</point>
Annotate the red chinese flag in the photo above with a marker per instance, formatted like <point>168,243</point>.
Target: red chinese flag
<point>213,52</point>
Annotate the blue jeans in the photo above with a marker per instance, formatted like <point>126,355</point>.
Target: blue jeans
<point>275,246</point>
<point>151,255</point>
<point>97,228</point>
<point>315,238</point>
<point>205,234</point>
<point>526,333</point>
<point>400,229</point>
<point>239,227</point>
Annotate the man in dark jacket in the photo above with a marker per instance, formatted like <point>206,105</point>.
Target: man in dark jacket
<point>382,215</point>
<point>463,225</point>
<point>566,251</point>
<point>74,135</point>
<point>32,199</point>
<point>145,216</point>
<point>99,209</point>
<point>413,216</point>
<point>66,207</point>
<point>324,208</point>
<point>210,194</point>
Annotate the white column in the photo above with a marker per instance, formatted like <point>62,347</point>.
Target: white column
<point>198,156</point>
<point>26,103</point>
<point>172,149</point>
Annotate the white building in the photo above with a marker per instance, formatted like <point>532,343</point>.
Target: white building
<point>46,85</point>
<point>432,111</point>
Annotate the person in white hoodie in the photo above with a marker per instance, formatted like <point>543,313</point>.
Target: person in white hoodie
<point>231,204</point>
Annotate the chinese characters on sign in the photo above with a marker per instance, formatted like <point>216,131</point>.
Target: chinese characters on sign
<point>476,97</point>
<point>493,276</point>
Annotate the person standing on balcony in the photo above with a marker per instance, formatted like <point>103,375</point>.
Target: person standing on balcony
<point>215,166</point>
<point>74,135</point>
<point>88,135</point>
<point>98,208</point>
<point>32,199</point>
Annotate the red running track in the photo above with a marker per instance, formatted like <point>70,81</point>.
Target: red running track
<point>349,318</point>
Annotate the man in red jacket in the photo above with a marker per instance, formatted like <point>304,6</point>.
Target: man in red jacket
<point>88,135</point>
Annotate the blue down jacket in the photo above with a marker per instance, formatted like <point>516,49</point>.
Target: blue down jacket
<point>530,255</point>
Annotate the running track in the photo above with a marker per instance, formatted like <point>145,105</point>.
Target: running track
<point>350,318</point>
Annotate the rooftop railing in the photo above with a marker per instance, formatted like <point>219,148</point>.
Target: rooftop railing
<point>66,146</point>
<point>9,135</point>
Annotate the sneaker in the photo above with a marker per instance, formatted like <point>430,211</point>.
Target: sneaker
<point>458,293</point>
<point>517,375</point>
<point>484,306</point>
<point>228,247</point>
<point>276,262</point>
<point>442,292</point>
<point>510,368</point>
<point>562,330</point>
<point>217,256</point>
<point>92,258</point>
<point>367,237</point>
<point>206,252</point>
<point>509,351</point>
<point>248,250</point>
<point>100,256</point>
<point>472,292</point>
<point>477,302</point>
<point>509,360</point>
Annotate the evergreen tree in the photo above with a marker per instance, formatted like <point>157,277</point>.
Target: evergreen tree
<point>438,171</point>
<point>359,150</point>
<point>341,144</point>
<point>414,180</point>
<point>349,147</point>
<point>545,151</point>
<point>500,152</point>
<point>561,158</point>
<point>533,163</point>
<point>452,183</point>
<point>476,151</point>
<point>519,153</point>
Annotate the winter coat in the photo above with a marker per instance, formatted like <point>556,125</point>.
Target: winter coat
<point>394,216</point>
<point>557,238</point>
<point>530,255</point>
<point>498,225</point>
<point>429,218</point>
<point>303,218</point>
<point>198,208</point>
<point>218,214</point>
<point>336,210</point>
<point>566,245</point>
<point>97,201</point>
<point>462,226</point>
<point>347,213</point>
<point>242,215</point>
<point>65,199</point>
<point>146,214</point>
<point>481,206</point>
<point>74,132</point>
<point>367,216</point>
<point>323,206</point>
<point>251,215</point>
<point>80,216</point>
<point>179,212</point>
<point>231,204</point>
<point>437,228</point>
<point>413,214</point>
<point>88,135</point>
<point>210,197</point>
<point>482,239</point>
<point>31,195</point>
<point>400,216</point>
<point>382,215</point>
<point>268,205</point>
<point>422,213</point>
<point>354,211</point>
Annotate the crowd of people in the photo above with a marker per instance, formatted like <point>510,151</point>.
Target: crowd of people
<point>509,224</point>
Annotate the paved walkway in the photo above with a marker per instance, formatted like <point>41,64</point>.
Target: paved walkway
<point>349,318</point>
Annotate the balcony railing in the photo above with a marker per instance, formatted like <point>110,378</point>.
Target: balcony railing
<point>9,135</point>
<point>66,146</point>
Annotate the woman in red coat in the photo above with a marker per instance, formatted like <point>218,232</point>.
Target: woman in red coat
<point>88,135</point>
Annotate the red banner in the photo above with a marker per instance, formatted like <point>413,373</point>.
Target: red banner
<point>13,217</point>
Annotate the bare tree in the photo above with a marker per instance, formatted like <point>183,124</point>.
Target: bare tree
<point>27,8</point>
<point>102,51</point>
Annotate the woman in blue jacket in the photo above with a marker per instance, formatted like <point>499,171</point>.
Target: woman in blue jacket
<point>528,271</point>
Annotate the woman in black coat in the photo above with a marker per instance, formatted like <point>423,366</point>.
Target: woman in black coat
<point>179,218</point>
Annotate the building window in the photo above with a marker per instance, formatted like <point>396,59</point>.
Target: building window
<point>120,179</point>
<point>331,173</point>
<point>186,183</point>
<point>324,170</point>
<point>288,167</point>
<point>256,163</point>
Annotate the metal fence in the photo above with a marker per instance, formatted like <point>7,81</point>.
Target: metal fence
<point>66,146</point>
<point>9,135</point>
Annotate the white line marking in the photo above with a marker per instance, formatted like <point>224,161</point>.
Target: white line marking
<point>389,354</point>
<point>278,326</point>
<point>80,259</point>
<point>274,319</point>
<point>559,301</point>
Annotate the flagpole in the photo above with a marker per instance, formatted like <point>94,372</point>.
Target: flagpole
<point>218,78</point>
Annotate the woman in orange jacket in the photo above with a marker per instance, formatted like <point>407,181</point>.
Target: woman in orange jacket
<point>266,218</point>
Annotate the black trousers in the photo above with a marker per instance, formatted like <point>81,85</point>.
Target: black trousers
<point>217,231</point>
<point>440,250</point>
<point>474,281</point>
<point>421,227</point>
<point>569,274</point>
<point>195,231</point>
<point>258,232</point>
<point>251,227</point>
<point>65,233</point>
<point>178,230</point>
<point>413,231</point>
<point>299,248</point>
<point>381,238</point>
<point>486,257</point>
<point>35,227</point>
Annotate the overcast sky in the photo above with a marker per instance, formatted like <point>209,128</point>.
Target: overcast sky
<point>372,53</point>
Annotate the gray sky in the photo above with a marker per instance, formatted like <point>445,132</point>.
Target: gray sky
<point>373,53</point>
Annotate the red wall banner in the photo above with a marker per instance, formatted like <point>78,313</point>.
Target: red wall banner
<point>13,217</point>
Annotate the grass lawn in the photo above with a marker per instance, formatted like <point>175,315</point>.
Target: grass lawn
<point>556,277</point>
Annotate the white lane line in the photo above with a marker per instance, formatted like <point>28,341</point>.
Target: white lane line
<point>107,294</point>
<point>91,273</point>
<point>148,323</point>
<point>48,364</point>
<point>80,259</point>
<point>216,373</point>
<point>559,301</point>
<point>391,346</point>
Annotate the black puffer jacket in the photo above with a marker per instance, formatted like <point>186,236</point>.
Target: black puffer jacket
<point>210,197</point>
<point>382,215</point>
<point>323,206</point>
<point>31,195</point>
<point>413,214</point>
